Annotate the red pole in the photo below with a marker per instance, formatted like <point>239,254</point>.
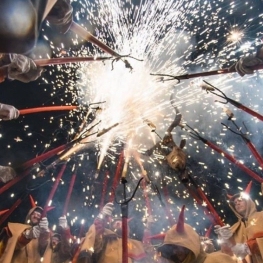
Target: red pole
<point>210,207</point>
<point>167,206</point>
<point>72,182</point>
<point>255,153</point>
<point>105,184</point>
<point>124,239</point>
<point>56,61</point>
<point>147,199</point>
<point>14,181</point>
<point>53,190</point>
<point>246,109</point>
<point>205,74</point>
<point>83,33</point>
<point>47,108</point>
<point>44,156</point>
<point>199,202</point>
<point>117,175</point>
<point>10,211</point>
<point>233,160</point>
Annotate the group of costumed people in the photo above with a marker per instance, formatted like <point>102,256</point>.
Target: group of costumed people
<point>34,242</point>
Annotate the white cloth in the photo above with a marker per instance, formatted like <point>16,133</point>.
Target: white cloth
<point>43,224</point>
<point>7,173</point>
<point>243,65</point>
<point>8,112</point>
<point>224,232</point>
<point>106,211</point>
<point>32,233</point>
<point>62,221</point>
<point>241,250</point>
<point>23,68</point>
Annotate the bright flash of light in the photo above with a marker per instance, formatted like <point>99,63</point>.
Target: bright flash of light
<point>132,97</point>
<point>235,36</point>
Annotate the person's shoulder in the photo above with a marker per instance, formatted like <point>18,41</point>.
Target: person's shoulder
<point>219,257</point>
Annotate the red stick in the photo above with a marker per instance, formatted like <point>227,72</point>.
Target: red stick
<point>233,160</point>
<point>81,229</point>
<point>105,184</point>
<point>44,156</point>
<point>14,181</point>
<point>10,211</point>
<point>117,175</point>
<point>147,199</point>
<point>124,239</point>
<point>208,73</point>
<point>255,153</point>
<point>246,109</point>
<point>167,206</point>
<point>236,162</point>
<point>47,108</point>
<point>199,202</point>
<point>56,61</point>
<point>72,182</point>
<point>53,190</point>
<point>83,33</point>
<point>210,207</point>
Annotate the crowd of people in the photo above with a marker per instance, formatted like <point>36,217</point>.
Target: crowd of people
<point>33,241</point>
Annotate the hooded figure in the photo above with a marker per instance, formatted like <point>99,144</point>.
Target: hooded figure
<point>248,229</point>
<point>183,245</point>
<point>58,249</point>
<point>20,22</point>
<point>25,243</point>
<point>247,232</point>
<point>102,245</point>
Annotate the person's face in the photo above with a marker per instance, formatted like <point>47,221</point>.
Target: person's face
<point>117,227</point>
<point>240,205</point>
<point>179,253</point>
<point>35,217</point>
<point>54,242</point>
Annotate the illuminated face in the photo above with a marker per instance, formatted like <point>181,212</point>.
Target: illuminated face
<point>117,227</point>
<point>240,205</point>
<point>35,217</point>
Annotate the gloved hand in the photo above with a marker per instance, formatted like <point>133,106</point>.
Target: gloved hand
<point>43,224</point>
<point>224,232</point>
<point>62,221</point>
<point>243,65</point>
<point>32,233</point>
<point>106,211</point>
<point>8,112</point>
<point>23,68</point>
<point>61,15</point>
<point>7,173</point>
<point>241,250</point>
